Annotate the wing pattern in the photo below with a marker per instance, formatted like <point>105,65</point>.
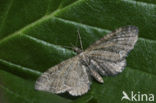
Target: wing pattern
<point>70,75</point>
<point>108,54</point>
<point>105,57</point>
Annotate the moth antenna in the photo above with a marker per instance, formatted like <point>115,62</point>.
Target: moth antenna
<point>79,36</point>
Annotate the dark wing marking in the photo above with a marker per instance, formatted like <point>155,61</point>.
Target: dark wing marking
<point>108,54</point>
<point>69,75</point>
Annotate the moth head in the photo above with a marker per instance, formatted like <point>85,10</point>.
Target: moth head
<point>77,50</point>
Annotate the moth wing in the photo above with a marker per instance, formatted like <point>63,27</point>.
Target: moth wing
<point>108,54</point>
<point>70,76</point>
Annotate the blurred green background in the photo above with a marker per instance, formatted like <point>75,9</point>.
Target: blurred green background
<point>33,34</point>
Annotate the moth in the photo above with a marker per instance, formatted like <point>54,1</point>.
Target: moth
<point>106,57</point>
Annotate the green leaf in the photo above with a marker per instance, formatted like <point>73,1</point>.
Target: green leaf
<point>33,37</point>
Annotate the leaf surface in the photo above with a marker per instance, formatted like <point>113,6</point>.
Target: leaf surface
<point>34,36</point>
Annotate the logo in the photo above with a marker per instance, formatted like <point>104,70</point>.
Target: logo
<point>137,96</point>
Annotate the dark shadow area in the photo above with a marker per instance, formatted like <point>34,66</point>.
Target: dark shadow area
<point>68,96</point>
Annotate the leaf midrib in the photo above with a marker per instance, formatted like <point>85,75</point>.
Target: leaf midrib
<point>37,21</point>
